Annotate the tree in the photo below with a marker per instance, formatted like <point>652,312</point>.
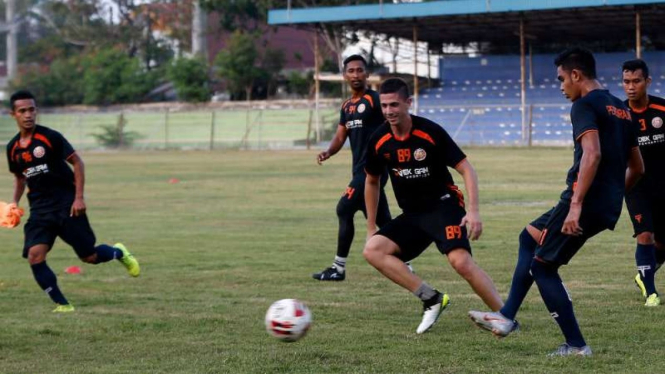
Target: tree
<point>190,78</point>
<point>237,63</point>
<point>111,77</point>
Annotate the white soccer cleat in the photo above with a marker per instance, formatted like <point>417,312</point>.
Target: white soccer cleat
<point>432,311</point>
<point>568,350</point>
<point>494,322</point>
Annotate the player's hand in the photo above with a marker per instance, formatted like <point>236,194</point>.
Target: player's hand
<point>571,226</point>
<point>78,208</point>
<point>322,157</point>
<point>474,226</point>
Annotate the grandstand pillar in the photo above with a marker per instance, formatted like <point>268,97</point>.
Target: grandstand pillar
<point>317,87</point>
<point>525,130</point>
<point>429,69</point>
<point>415,68</point>
<point>638,36</point>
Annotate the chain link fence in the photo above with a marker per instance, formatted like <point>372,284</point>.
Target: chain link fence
<point>270,126</point>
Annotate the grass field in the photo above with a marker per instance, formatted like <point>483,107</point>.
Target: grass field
<point>261,129</point>
<point>243,229</point>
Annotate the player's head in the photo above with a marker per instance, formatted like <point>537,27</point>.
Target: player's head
<point>635,79</point>
<point>574,67</point>
<point>355,72</point>
<point>395,100</point>
<point>23,108</point>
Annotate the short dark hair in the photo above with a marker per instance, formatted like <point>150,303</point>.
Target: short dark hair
<point>395,85</point>
<point>20,95</point>
<point>577,58</point>
<point>633,65</point>
<point>355,58</point>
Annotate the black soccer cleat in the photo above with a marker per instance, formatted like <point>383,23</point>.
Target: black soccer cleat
<point>329,274</point>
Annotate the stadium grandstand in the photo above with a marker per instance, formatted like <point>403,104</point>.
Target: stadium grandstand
<point>506,92</point>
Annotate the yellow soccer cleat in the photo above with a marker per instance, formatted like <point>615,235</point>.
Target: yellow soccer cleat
<point>67,308</point>
<point>653,300</point>
<point>128,260</point>
<point>640,285</point>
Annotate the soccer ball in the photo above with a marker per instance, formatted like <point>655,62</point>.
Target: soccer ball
<point>288,320</point>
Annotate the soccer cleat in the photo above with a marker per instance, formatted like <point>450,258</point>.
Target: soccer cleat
<point>432,310</point>
<point>653,300</point>
<point>128,260</point>
<point>67,308</point>
<point>495,322</point>
<point>408,264</point>
<point>640,285</point>
<point>329,274</point>
<point>568,350</point>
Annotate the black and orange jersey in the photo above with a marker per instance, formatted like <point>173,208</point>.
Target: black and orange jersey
<point>607,115</point>
<point>648,124</point>
<point>361,117</point>
<point>43,163</point>
<point>417,164</point>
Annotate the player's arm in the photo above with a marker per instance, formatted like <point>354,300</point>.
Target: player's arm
<point>589,162</point>
<point>372,190</point>
<point>19,187</point>
<point>335,144</point>
<point>78,207</point>
<point>635,168</point>
<point>472,217</point>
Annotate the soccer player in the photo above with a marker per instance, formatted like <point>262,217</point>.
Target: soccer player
<point>645,202</point>
<point>360,116</point>
<point>38,157</point>
<point>605,144</point>
<point>418,153</point>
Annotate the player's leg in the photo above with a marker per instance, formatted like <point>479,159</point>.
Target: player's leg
<point>640,211</point>
<point>40,233</point>
<point>503,322</point>
<point>384,252</point>
<point>351,201</point>
<point>76,232</point>
<point>645,258</point>
<point>460,259</point>
<point>557,249</point>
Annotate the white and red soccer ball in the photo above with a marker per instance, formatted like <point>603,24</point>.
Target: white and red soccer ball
<point>288,320</point>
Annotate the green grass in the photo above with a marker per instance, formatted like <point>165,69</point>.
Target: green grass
<point>243,229</point>
<point>269,128</point>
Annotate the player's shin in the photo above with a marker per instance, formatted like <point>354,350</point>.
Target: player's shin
<point>106,253</point>
<point>558,302</point>
<point>48,282</point>
<point>522,278</point>
<point>645,258</point>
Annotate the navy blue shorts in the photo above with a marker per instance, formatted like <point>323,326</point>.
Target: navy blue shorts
<point>413,232</point>
<point>353,200</point>
<point>43,228</point>
<point>647,211</point>
<point>558,248</point>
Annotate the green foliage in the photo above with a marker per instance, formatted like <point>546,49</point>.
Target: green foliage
<point>190,78</point>
<point>299,84</point>
<point>237,63</point>
<point>111,77</point>
<point>61,84</point>
<point>115,136</point>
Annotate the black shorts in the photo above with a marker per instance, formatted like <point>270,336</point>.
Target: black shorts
<point>413,232</point>
<point>43,228</point>
<point>558,248</point>
<point>353,200</point>
<point>647,212</point>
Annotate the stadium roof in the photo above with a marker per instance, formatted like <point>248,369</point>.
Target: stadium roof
<point>603,22</point>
